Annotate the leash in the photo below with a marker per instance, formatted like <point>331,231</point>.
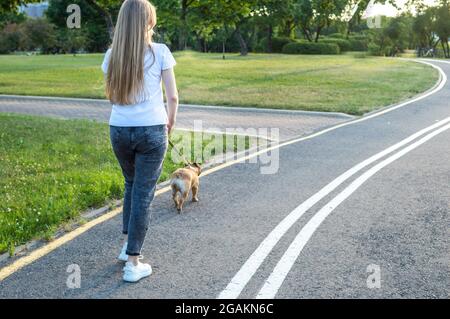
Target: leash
<point>180,154</point>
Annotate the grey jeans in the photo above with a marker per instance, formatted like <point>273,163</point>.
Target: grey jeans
<point>140,152</point>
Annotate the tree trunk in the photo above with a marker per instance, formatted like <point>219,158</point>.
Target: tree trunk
<point>307,34</point>
<point>288,28</point>
<point>183,26</point>
<point>242,43</point>
<point>445,48</point>
<point>223,49</point>
<point>269,39</point>
<point>318,34</point>
<point>106,15</point>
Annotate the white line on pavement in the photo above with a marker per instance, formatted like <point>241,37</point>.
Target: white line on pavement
<point>250,267</point>
<point>281,270</point>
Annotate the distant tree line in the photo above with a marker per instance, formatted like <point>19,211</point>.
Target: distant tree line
<point>289,26</point>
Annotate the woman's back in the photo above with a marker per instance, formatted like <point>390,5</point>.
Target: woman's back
<point>149,107</point>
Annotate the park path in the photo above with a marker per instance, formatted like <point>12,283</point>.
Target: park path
<point>368,194</point>
<point>290,123</point>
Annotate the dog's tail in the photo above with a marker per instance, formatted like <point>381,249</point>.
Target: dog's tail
<point>178,184</point>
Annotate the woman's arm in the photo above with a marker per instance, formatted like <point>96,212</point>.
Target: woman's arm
<point>168,77</point>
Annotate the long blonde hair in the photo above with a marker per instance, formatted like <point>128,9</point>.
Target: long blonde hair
<point>132,36</point>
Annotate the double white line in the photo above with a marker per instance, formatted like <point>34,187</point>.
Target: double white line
<point>276,278</point>
<point>278,275</point>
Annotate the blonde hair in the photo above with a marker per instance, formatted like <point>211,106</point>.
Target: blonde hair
<point>132,36</point>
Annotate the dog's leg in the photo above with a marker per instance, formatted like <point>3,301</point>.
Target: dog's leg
<point>175,197</point>
<point>195,193</point>
<point>183,198</point>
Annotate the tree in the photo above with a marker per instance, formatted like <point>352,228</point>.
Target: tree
<point>423,29</point>
<point>432,26</point>
<point>71,40</point>
<point>12,5</point>
<point>312,16</point>
<point>11,17</point>
<point>272,13</point>
<point>104,8</point>
<point>39,34</point>
<point>442,26</point>
<point>175,15</point>
<point>10,38</point>
<point>96,37</point>
<point>212,16</point>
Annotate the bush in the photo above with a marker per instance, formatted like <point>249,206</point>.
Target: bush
<point>311,48</point>
<point>70,41</point>
<point>374,49</point>
<point>39,34</point>
<point>277,44</point>
<point>358,37</point>
<point>358,45</point>
<point>259,48</point>
<point>10,38</point>
<point>344,45</point>
<point>336,36</point>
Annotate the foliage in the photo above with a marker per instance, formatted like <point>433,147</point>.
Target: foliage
<point>277,44</point>
<point>243,26</point>
<point>358,45</point>
<point>344,45</point>
<point>311,48</point>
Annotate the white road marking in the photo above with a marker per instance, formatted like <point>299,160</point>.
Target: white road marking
<point>281,270</point>
<point>243,276</point>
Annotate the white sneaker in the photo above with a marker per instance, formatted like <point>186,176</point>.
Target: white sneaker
<point>123,254</point>
<point>134,273</point>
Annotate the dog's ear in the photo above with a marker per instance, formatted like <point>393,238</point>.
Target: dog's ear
<point>199,167</point>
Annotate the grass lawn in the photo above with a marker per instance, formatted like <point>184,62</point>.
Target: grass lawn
<point>48,176</point>
<point>343,83</point>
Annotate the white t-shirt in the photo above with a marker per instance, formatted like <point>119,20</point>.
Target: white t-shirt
<point>149,109</point>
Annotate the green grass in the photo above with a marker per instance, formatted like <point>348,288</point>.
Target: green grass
<point>51,170</point>
<point>344,83</point>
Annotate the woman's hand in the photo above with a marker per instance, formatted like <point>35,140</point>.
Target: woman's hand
<point>170,126</point>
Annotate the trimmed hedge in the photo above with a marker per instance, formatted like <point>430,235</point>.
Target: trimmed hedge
<point>277,44</point>
<point>311,48</point>
<point>336,36</point>
<point>358,37</point>
<point>344,45</point>
<point>358,45</point>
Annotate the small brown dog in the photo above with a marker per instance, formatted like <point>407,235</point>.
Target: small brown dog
<point>183,180</point>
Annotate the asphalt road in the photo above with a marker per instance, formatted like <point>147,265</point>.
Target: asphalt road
<point>210,118</point>
<point>396,220</point>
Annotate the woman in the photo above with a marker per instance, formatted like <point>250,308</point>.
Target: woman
<point>140,124</point>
